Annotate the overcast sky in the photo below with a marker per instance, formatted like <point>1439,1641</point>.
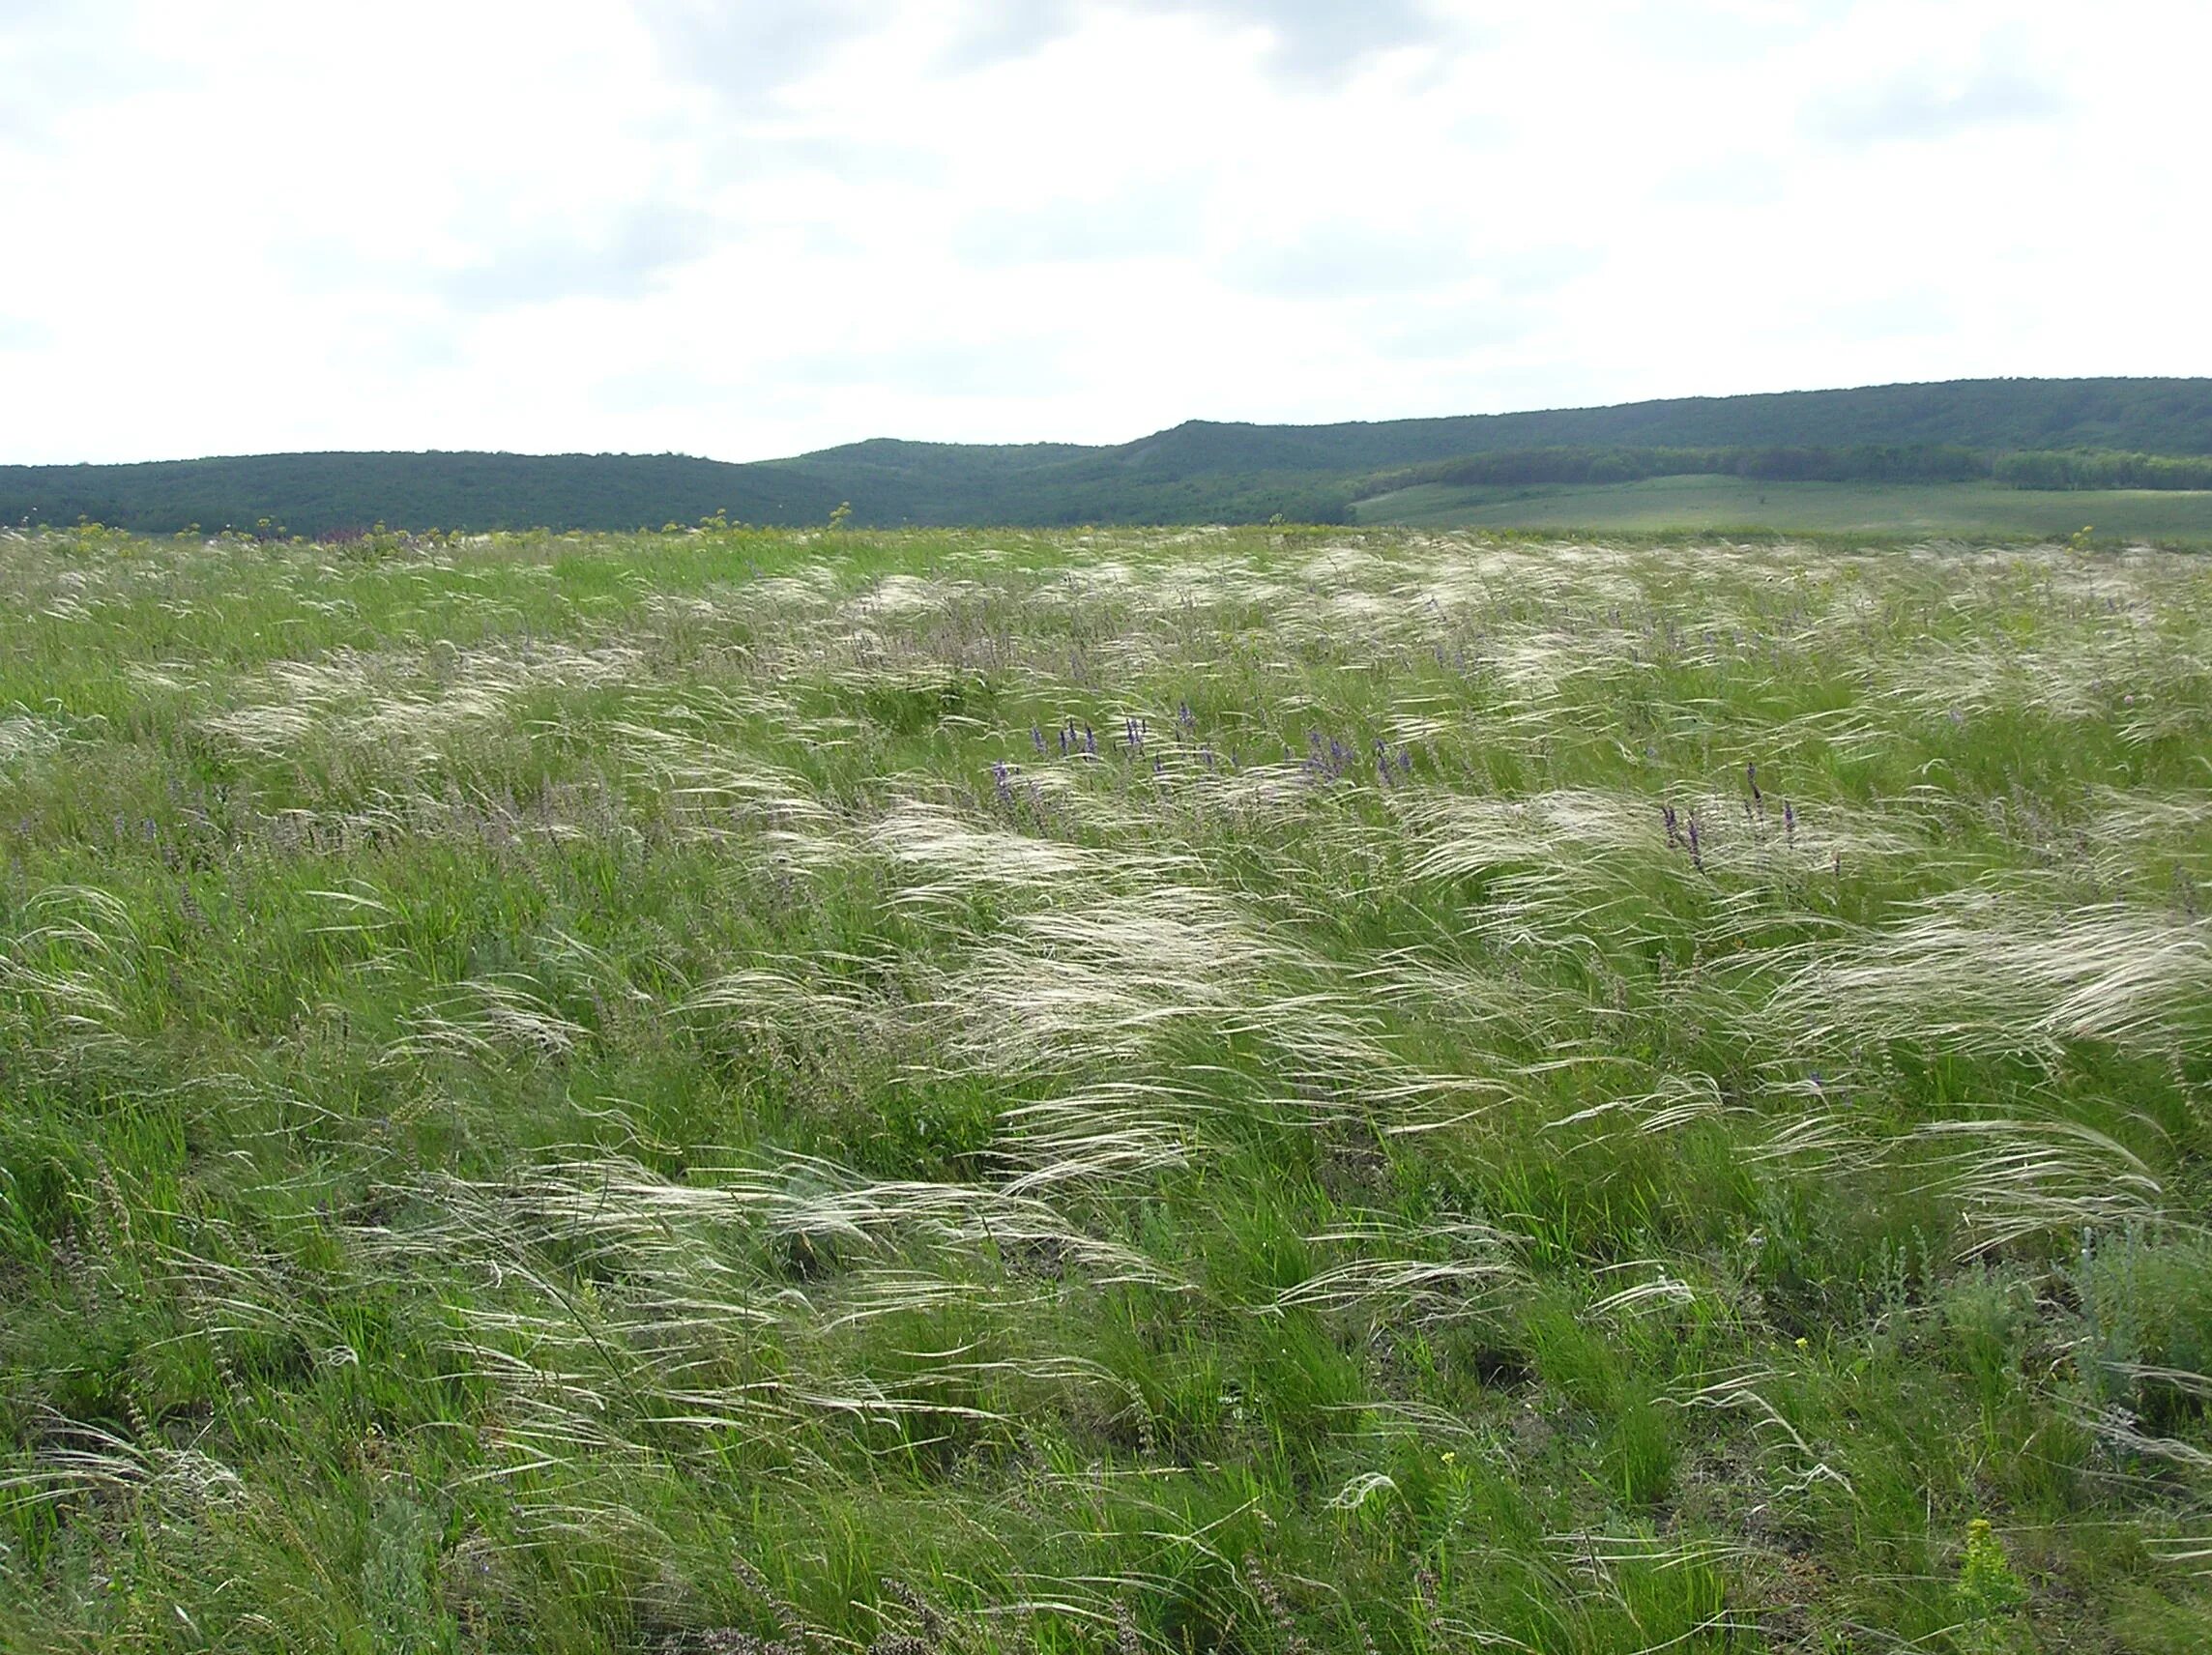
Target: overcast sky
<point>759,226</point>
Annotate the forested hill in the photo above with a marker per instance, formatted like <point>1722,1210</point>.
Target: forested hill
<point>1200,471</point>
<point>2150,416</point>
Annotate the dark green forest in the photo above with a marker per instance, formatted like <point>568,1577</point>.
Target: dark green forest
<point>1860,462</point>
<point>2025,433</point>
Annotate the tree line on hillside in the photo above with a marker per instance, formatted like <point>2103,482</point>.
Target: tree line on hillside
<point>2065,434</point>
<point>325,495</point>
<point>2102,468</point>
<point>1858,462</point>
<point>321,494</point>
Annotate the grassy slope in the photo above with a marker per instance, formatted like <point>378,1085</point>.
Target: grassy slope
<point>1963,511</point>
<point>568,1093</point>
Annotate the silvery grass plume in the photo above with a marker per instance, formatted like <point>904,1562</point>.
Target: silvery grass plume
<point>621,1205</point>
<point>720,793</point>
<point>1600,837</point>
<point>1460,835</point>
<point>1678,1100</point>
<point>1979,971</point>
<point>762,996</point>
<point>23,738</point>
<point>486,1017</point>
<point>1103,1135</point>
<point>65,982</point>
<point>78,1459</point>
<point>2012,1179</point>
<point>961,859</point>
<point>2130,835</point>
<point>1387,1269</point>
<point>699,1282</point>
<point>1102,981</point>
<point>1660,1289</point>
<point>1739,1390</point>
<point>406,706</point>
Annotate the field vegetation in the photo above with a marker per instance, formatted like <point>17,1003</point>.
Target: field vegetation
<point>1234,1090</point>
<point>1984,511</point>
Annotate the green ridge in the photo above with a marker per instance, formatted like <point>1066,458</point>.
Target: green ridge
<point>1197,472</point>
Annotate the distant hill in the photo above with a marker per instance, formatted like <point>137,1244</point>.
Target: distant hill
<point>1200,471</point>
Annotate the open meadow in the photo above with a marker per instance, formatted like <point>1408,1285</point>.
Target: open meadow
<point>1262,1090</point>
<point>1972,511</point>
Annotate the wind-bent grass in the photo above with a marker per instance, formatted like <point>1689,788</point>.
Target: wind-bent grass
<point>1218,1090</point>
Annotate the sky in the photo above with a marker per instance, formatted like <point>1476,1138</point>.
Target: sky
<point>757,227</point>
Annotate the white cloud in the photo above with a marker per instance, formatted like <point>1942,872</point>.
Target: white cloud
<point>749,231</point>
<point>1139,219</point>
<point>624,258</point>
<point>1350,260</point>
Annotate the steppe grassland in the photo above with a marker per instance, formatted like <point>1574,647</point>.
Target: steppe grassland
<point>1258,1090</point>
